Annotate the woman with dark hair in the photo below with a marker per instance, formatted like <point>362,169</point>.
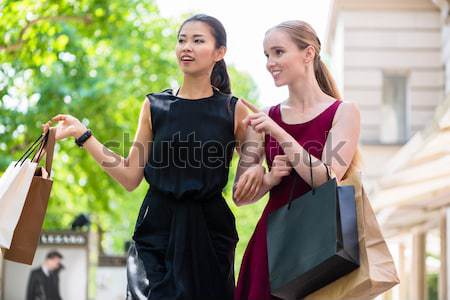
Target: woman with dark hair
<point>313,120</point>
<point>185,234</point>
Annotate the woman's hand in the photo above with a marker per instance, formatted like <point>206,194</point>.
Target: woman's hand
<point>249,183</point>
<point>280,167</point>
<point>262,123</point>
<point>68,126</point>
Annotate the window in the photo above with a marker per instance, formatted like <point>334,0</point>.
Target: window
<point>393,123</point>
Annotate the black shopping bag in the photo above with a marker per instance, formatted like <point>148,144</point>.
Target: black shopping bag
<point>312,240</point>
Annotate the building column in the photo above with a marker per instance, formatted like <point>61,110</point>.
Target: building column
<point>444,282</point>
<point>1,275</point>
<point>418,283</point>
<point>403,274</point>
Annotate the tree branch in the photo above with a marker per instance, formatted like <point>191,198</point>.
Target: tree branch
<point>16,46</point>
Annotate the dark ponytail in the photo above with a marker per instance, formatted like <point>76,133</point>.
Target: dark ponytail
<point>219,77</point>
<point>219,74</point>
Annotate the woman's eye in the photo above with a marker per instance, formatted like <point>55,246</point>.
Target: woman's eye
<point>180,41</point>
<point>198,41</point>
<point>279,52</point>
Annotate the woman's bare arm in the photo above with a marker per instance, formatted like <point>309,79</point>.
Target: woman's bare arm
<point>251,153</point>
<point>127,171</point>
<point>338,151</point>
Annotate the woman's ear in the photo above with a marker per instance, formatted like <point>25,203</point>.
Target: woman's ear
<point>220,53</point>
<point>310,53</point>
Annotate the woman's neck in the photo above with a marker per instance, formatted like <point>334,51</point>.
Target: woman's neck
<point>304,94</point>
<point>196,87</point>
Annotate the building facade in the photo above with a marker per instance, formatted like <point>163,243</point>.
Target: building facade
<point>392,58</point>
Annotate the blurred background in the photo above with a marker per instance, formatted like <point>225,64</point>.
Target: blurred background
<point>98,59</point>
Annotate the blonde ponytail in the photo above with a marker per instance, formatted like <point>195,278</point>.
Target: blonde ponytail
<point>328,86</point>
<point>324,78</point>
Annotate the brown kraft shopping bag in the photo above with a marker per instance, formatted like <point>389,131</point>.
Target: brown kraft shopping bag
<point>28,230</point>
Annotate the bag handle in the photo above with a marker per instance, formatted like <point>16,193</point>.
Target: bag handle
<point>30,150</point>
<point>291,193</point>
<point>47,148</point>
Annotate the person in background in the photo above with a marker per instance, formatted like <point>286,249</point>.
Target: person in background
<point>43,283</point>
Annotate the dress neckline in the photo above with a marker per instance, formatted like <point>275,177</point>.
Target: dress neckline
<point>194,100</point>
<point>309,121</point>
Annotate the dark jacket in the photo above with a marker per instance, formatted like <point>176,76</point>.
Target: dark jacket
<point>43,287</point>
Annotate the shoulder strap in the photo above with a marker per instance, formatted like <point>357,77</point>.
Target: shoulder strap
<point>272,111</point>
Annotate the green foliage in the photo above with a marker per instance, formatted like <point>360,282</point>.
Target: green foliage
<point>95,60</point>
<point>432,286</point>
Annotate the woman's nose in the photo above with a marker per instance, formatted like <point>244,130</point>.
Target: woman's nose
<point>270,63</point>
<point>187,46</point>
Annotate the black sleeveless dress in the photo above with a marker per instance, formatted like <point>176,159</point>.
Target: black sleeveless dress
<point>185,235</point>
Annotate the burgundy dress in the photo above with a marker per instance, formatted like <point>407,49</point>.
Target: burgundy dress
<point>253,282</point>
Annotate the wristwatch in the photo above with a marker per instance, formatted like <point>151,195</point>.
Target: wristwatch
<point>83,138</point>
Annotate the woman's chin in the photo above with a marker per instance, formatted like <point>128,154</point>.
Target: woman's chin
<point>279,83</point>
<point>188,68</point>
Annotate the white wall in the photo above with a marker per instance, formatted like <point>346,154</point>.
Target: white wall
<point>111,283</point>
<point>405,41</point>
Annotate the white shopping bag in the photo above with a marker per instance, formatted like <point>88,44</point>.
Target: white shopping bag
<point>14,186</point>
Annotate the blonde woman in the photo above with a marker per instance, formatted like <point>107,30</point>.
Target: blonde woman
<point>312,120</point>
